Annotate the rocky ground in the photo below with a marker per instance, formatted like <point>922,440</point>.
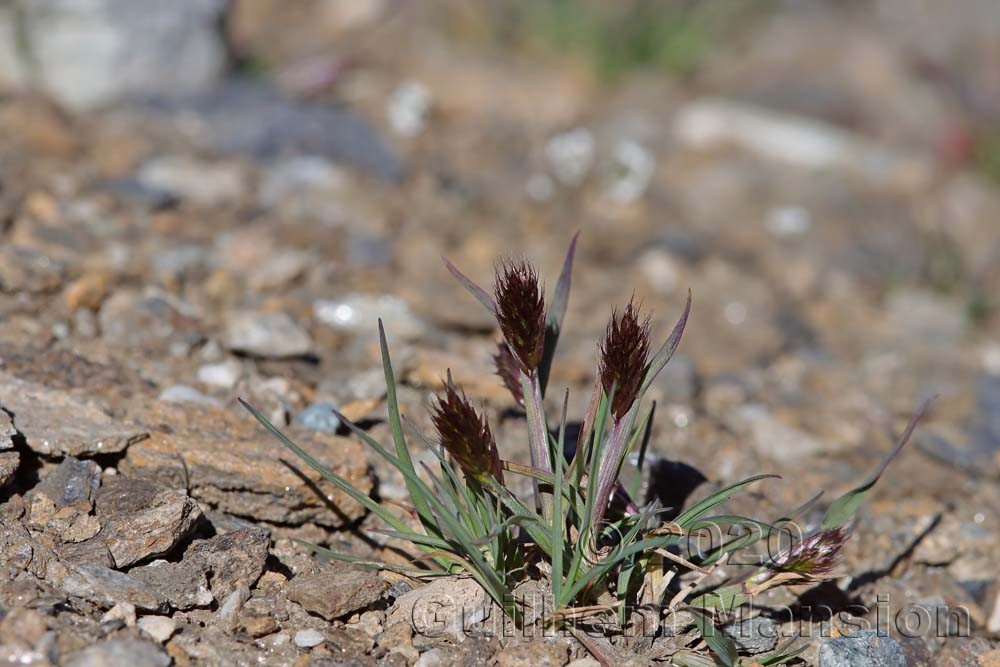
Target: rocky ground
<point>821,178</point>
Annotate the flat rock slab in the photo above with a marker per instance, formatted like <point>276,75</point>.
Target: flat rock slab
<point>274,335</point>
<point>246,117</point>
<point>231,561</point>
<point>183,586</point>
<point>73,481</point>
<point>446,607</point>
<point>865,649</point>
<point>143,519</point>
<point>57,423</point>
<point>230,463</point>
<point>60,368</point>
<point>106,587</point>
<point>336,590</point>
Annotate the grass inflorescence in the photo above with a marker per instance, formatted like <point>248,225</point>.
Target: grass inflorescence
<point>602,554</point>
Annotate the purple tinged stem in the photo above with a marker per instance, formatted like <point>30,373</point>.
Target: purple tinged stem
<point>537,432</point>
<point>611,462</point>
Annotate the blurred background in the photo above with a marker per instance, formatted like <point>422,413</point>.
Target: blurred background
<point>223,197</point>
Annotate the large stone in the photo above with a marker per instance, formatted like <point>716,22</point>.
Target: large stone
<point>198,182</point>
<point>234,560</point>
<point>336,590</point>
<point>143,519</point>
<point>57,367</point>
<point>131,652</point>
<point>232,464</point>
<point>55,422</point>
<point>231,561</point>
<point>446,607</point>
<point>183,586</point>
<point>150,321</point>
<point>88,54</point>
<point>754,635</point>
<point>274,335</point>
<point>252,119</point>
<point>107,587</point>
<point>865,649</point>
<point>73,481</point>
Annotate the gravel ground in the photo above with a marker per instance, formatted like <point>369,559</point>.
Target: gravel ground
<point>823,177</point>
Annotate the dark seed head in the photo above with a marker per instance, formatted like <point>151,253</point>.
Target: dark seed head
<point>466,435</point>
<point>624,353</point>
<point>521,312</point>
<point>817,554</point>
<point>507,369</point>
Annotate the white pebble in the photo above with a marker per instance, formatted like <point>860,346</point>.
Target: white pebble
<point>408,108</point>
<point>786,221</point>
<point>224,374</point>
<point>123,611</point>
<point>571,155</point>
<point>990,355</point>
<point>359,313</point>
<point>633,171</point>
<point>540,187</point>
<point>180,393</point>
<point>309,638</point>
<point>660,270</point>
<point>159,628</point>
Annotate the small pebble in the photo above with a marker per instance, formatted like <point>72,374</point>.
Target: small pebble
<point>123,611</point>
<point>224,374</point>
<point>571,155</point>
<point>60,330</point>
<point>408,108</point>
<point>159,628</point>
<point>319,417</point>
<point>271,335</point>
<point>85,323</point>
<point>632,172</point>
<point>431,658</point>
<point>180,393</point>
<point>308,638</point>
<point>370,623</point>
<point>787,221</point>
<point>540,188</point>
<point>359,313</point>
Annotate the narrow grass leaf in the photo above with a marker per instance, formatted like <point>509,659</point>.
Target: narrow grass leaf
<point>475,290</point>
<point>723,647</point>
<point>647,434</point>
<point>405,463</point>
<point>665,352</point>
<point>845,507</point>
<point>362,499</point>
<point>717,499</point>
<point>558,518</point>
<point>556,314</point>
